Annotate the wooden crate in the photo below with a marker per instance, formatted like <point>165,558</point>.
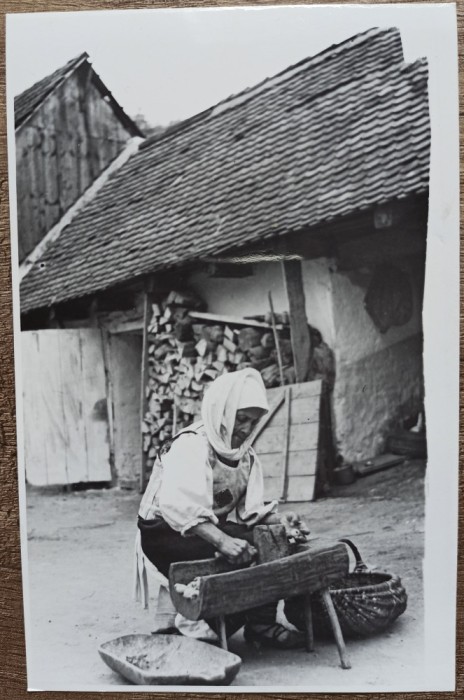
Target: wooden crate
<point>288,444</point>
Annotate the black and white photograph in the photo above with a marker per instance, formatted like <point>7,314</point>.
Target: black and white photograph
<point>235,260</point>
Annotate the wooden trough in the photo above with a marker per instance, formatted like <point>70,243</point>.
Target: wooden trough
<point>166,659</point>
<point>224,589</point>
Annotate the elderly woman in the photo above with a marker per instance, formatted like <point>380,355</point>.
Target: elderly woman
<point>202,475</point>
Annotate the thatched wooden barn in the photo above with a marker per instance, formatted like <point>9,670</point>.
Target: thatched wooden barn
<point>325,166</point>
<point>69,128</point>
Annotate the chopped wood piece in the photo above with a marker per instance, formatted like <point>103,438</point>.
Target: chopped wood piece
<point>258,352</point>
<point>267,341</point>
<point>228,333</point>
<point>201,347</point>
<point>229,345</point>
<point>249,338</point>
<point>271,542</point>
<point>221,353</point>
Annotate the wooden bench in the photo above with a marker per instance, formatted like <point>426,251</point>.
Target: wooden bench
<point>224,589</point>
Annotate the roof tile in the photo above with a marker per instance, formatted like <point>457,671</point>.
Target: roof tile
<point>340,131</point>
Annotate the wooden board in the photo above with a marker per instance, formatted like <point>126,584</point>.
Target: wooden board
<point>94,405</point>
<point>302,411</point>
<point>302,437</point>
<point>147,301</point>
<point>246,588</point>
<point>271,542</point>
<point>299,463</point>
<point>65,412</point>
<point>301,343</point>
<point>70,138</point>
<point>125,355</point>
<point>300,488</point>
<point>230,320</point>
<point>303,444</point>
<point>69,355</point>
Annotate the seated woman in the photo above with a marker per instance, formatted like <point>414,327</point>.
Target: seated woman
<point>203,474</point>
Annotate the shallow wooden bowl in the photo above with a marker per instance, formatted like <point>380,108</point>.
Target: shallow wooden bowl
<point>167,659</point>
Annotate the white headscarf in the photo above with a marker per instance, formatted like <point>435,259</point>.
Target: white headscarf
<point>224,397</point>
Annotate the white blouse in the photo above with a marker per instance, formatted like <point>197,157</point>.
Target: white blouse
<point>191,485</point>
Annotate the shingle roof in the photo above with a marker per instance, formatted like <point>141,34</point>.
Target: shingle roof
<point>27,101</point>
<point>339,132</point>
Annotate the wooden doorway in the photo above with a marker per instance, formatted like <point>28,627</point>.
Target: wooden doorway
<point>66,433</point>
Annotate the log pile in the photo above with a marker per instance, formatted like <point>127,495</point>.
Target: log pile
<point>184,355</point>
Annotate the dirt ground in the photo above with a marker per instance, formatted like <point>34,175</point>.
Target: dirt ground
<point>80,569</point>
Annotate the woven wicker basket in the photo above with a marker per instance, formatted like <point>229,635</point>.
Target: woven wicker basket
<point>367,602</point>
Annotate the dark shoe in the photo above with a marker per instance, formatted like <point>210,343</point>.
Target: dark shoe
<point>167,630</point>
<point>273,636</point>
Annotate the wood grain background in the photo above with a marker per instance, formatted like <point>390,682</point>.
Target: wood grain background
<point>12,653</point>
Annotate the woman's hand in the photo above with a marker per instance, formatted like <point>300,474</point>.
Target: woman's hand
<point>236,551</point>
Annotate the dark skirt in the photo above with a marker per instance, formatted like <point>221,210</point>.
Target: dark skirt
<point>163,546</point>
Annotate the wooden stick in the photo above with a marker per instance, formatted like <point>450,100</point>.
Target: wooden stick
<point>144,381</point>
<point>308,618</point>
<point>229,320</point>
<point>105,336</point>
<point>339,641</point>
<point>174,418</point>
<point>276,339</point>
<point>287,409</point>
<point>222,631</point>
<point>269,415</point>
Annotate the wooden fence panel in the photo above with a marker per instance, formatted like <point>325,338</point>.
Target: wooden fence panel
<point>94,403</point>
<point>65,417</point>
<point>69,359</point>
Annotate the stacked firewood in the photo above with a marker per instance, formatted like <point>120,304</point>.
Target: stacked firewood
<point>184,355</point>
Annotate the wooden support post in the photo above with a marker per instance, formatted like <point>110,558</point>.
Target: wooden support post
<point>93,313</point>
<point>144,381</point>
<point>106,353</point>
<point>174,419</point>
<point>301,343</point>
<point>339,641</point>
<point>308,619</point>
<point>276,340</point>
<point>222,631</point>
<point>265,420</point>
<point>287,409</point>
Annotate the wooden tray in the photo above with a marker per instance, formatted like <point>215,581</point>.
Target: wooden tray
<point>224,590</point>
<point>169,659</point>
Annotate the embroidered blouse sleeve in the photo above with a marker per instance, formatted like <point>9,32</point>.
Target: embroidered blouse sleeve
<point>251,509</point>
<point>186,490</point>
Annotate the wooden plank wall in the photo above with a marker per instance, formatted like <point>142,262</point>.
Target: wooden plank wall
<point>70,139</point>
<point>303,443</point>
<point>65,411</point>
